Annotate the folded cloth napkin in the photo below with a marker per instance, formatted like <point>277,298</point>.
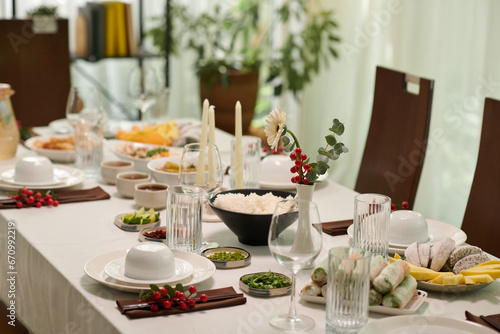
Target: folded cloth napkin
<point>189,132</point>
<point>491,321</point>
<point>68,196</point>
<point>217,298</point>
<point>337,227</point>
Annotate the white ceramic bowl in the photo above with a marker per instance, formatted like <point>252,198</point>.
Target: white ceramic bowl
<point>407,227</point>
<point>170,178</point>
<point>111,168</point>
<point>151,195</point>
<point>34,170</point>
<point>126,181</point>
<point>275,168</point>
<point>149,261</point>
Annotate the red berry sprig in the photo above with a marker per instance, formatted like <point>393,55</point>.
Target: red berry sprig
<point>301,168</point>
<point>403,206</point>
<point>168,297</point>
<point>27,197</point>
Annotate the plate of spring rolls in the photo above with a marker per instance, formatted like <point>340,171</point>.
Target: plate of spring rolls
<point>393,290</point>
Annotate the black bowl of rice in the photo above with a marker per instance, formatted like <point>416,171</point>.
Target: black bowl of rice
<point>248,212</point>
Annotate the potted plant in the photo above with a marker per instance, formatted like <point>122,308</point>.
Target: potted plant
<point>234,48</point>
<point>44,19</point>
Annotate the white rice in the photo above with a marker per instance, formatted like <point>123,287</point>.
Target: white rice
<point>252,203</point>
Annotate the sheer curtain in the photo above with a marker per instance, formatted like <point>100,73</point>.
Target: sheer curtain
<point>452,42</point>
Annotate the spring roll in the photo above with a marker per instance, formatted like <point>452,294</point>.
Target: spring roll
<point>375,298</point>
<point>376,265</point>
<point>311,289</point>
<point>391,276</point>
<point>403,293</point>
<point>323,290</point>
<point>320,273</point>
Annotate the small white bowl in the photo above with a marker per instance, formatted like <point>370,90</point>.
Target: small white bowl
<point>275,168</point>
<point>151,195</point>
<point>34,170</point>
<point>126,181</point>
<point>171,178</point>
<point>111,168</point>
<point>407,227</point>
<point>149,261</point>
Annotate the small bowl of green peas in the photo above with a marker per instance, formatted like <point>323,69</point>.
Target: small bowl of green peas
<point>228,257</point>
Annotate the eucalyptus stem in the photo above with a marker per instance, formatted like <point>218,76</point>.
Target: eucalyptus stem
<point>294,137</point>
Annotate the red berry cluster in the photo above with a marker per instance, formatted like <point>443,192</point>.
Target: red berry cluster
<point>27,197</point>
<point>301,167</point>
<point>279,150</point>
<point>403,206</point>
<point>161,298</point>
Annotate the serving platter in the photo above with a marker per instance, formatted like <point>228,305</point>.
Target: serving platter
<point>410,308</point>
<point>203,269</point>
<point>451,288</point>
<point>54,155</point>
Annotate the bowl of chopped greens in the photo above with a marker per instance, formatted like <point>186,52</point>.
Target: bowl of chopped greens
<point>266,284</point>
<point>228,257</point>
<point>138,220</point>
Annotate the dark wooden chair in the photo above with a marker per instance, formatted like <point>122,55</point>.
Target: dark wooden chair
<point>397,139</point>
<point>481,220</point>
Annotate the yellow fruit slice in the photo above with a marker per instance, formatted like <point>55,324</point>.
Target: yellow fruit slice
<point>484,278</point>
<point>439,279</point>
<point>454,280</point>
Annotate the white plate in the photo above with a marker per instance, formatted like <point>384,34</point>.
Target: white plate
<point>203,269</point>
<point>424,324</point>
<point>451,288</point>
<point>60,175</point>
<point>116,269</point>
<point>410,308</point>
<point>438,229</point>
<point>140,164</point>
<point>54,155</point>
<point>111,126</point>
<point>75,177</point>
<point>287,185</point>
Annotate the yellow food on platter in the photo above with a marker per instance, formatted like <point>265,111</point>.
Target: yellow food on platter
<point>56,143</point>
<point>159,134</point>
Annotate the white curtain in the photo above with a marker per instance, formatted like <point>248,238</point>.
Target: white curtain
<point>453,42</point>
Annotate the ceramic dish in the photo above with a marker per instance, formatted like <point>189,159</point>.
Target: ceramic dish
<point>287,185</point>
<point>203,269</point>
<point>72,178</point>
<point>140,164</point>
<point>437,230</point>
<point>265,292</point>
<point>54,155</point>
<point>116,269</point>
<point>143,237</point>
<point>410,308</point>
<point>228,264</point>
<point>62,126</point>
<point>133,227</point>
<point>451,288</point>
<point>427,324</point>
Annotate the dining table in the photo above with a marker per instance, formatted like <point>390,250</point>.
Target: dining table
<point>44,252</point>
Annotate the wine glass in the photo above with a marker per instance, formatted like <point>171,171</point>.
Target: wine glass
<point>295,241</point>
<point>202,168</point>
<point>143,89</point>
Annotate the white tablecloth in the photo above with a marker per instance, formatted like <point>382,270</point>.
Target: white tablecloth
<point>54,295</point>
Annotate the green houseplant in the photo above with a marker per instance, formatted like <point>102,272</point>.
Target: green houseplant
<point>235,44</point>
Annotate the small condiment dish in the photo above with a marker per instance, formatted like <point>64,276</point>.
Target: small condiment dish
<point>34,170</point>
<point>165,170</point>
<point>151,195</point>
<point>223,257</point>
<point>264,292</point>
<point>149,261</point>
<point>407,227</point>
<point>118,221</point>
<point>126,181</point>
<point>154,234</point>
<point>111,168</point>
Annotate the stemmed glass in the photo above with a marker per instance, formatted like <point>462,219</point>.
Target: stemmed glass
<point>143,90</point>
<point>202,168</point>
<point>295,241</point>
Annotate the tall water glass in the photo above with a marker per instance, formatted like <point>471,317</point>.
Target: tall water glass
<point>371,223</point>
<point>184,228</point>
<point>251,150</point>
<point>348,289</point>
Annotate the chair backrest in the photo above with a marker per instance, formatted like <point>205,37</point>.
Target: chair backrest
<point>481,220</point>
<point>397,139</point>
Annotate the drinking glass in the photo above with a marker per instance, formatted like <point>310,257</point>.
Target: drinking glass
<point>202,168</point>
<point>371,223</point>
<point>143,90</point>
<point>85,113</point>
<point>295,241</point>
<point>250,149</point>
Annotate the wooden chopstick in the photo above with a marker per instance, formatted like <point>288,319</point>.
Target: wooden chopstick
<point>490,322</point>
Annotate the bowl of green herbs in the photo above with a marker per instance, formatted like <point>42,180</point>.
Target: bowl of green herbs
<point>266,284</point>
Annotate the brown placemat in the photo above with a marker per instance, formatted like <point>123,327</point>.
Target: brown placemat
<point>210,304</point>
<point>68,196</point>
<point>494,320</point>
<point>338,227</point>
